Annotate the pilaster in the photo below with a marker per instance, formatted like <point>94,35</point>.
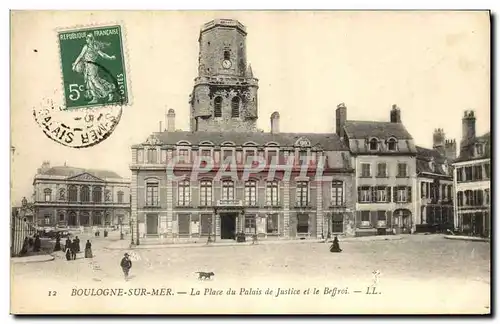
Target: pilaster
<point>286,208</point>
<point>319,209</point>
<point>169,200</point>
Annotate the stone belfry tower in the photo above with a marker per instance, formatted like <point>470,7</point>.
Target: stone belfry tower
<point>224,96</point>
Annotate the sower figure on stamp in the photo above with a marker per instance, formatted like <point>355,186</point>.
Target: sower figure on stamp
<point>95,86</point>
<point>335,245</point>
<point>88,249</point>
<point>126,264</point>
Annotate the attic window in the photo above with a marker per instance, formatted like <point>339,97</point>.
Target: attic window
<point>391,144</point>
<point>373,144</point>
<point>479,149</point>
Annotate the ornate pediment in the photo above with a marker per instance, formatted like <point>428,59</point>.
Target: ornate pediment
<point>152,140</point>
<point>303,142</point>
<point>86,177</point>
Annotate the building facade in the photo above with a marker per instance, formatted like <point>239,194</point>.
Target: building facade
<point>435,185</point>
<point>384,158</point>
<point>75,197</point>
<point>224,177</point>
<point>472,177</point>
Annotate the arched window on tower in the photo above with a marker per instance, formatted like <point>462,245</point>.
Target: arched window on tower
<point>235,107</point>
<point>227,55</point>
<point>218,107</point>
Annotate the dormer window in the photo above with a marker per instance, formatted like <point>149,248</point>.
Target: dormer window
<point>373,144</point>
<point>391,144</point>
<point>479,149</point>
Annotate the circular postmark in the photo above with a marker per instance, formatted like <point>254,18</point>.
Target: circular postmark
<point>86,126</point>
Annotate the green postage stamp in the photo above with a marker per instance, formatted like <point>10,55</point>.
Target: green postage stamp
<point>93,67</point>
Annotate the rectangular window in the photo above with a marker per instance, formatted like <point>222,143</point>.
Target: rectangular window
<point>227,190</point>
<point>183,155</point>
<point>402,170</point>
<point>459,174</point>
<point>468,173</point>
<point>206,193</point>
<point>206,224</point>
<point>227,156</point>
<point>302,198</point>
<point>48,194</point>
<point>184,193</point>
<point>184,223</point>
<point>303,158</point>
<point>365,216</point>
<point>449,192</point>
<point>152,156</point>
<point>402,195</point>
<point>381,216</point>
<point>487,170</point>
<point>382,194</point>
<point>366,171</point>
<point>337,193</point>
<point>303,223</point>
<point>152,194</point>
<point>272,193</point>
<point>46,219</point>
<point>251,193</point>
<point>272,157</point>
<point>478,172</point>
<point>381,170</point>
<point>272,224</point>
<point>365,194</point>
<point>250,227</point>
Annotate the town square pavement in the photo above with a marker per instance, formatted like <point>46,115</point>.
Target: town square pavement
<point>417,274</point>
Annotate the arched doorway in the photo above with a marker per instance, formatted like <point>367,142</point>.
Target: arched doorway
<point>402,221</point>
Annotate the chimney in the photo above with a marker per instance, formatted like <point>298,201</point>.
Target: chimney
<point>450,150</point>
<point>438,139</point>
<point>340,118</point>
<point>468,127</point>
<point>275,122</point>
<point>395,114</point>
<point>171,120</point>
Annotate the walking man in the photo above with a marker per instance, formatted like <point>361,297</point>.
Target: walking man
<point>126,264</point>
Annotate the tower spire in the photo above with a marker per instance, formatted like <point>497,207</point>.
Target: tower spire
<point>249,73</point>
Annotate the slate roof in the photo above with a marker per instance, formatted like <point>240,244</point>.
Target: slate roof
<point>425,156</point>
<point>467,152</point>
<point>360,129</point>
<point>67,171</point>
<point>327,141</point>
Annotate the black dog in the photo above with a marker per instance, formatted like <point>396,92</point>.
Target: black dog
<point>205,275</point>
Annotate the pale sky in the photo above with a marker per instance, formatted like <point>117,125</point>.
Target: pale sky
<point>434,65</point>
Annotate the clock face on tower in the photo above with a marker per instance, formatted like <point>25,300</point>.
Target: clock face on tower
<point>226,64</point>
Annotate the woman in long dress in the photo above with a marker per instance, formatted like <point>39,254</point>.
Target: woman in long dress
<point>335,247</point>
<point>88,249</point>
<point>95,87</point>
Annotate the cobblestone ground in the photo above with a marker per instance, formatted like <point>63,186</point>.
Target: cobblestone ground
<point>418,274</point>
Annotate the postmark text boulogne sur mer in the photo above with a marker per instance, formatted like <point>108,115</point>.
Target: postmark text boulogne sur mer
<point>95,87</point>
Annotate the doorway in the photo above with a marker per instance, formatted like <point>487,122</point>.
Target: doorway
<point>152,224</point>
<point>228,226</point>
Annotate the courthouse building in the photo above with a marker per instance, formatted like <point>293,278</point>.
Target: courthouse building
<point>435,184</point>
<point>223,116</point>
<point>472,178</point>
<point>75,197</point>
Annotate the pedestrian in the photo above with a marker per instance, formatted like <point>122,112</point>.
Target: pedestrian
<point>69,255</point>
<point>105,233</point>
<point>335,246</point>
<point>38,244</point>
<point>57,247</point>
<point>73,249</point>
<point>77,244</point>
<point>88,249</point>
<point>30,242</point>
<point>68,244</point>
<point>24,249</point>
<point>126,264</point>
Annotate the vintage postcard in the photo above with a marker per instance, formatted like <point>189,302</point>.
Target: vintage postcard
<point>232,162</point>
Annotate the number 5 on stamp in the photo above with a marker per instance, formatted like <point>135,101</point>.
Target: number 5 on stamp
<point>93,67</point>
